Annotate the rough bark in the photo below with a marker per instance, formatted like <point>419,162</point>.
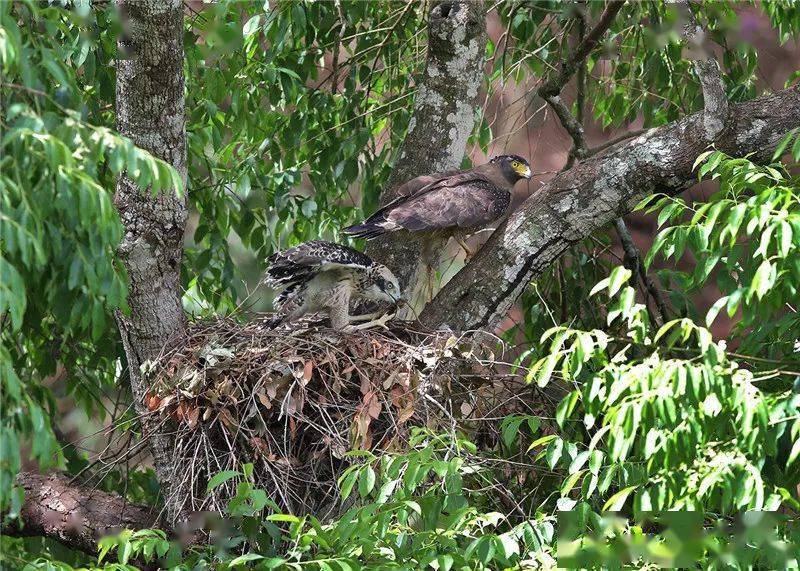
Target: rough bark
<point>73,514</point>
<point>443,116</point>
<point>150,111</point>
<point>715,100</point>
<point>590,195</point>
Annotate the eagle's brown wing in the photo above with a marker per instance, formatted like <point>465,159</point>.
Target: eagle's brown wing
<point>424,182</point>
<point>470,204</point>
<point>455,198</point>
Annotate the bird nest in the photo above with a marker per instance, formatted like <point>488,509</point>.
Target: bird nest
<point>294,400</point>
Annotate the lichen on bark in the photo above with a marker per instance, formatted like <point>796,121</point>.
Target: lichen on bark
<point>150,111</point>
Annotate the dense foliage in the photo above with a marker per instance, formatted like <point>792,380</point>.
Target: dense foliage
<point>295,112</point>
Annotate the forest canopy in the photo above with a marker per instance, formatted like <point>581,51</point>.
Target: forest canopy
<point>607,376</point>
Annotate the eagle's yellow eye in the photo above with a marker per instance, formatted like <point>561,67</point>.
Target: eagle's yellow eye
<point>515,164</point>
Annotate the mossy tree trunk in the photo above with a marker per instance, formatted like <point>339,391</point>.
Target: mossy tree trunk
<point>150,111</point>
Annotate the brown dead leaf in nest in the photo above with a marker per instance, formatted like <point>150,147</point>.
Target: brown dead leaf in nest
<point>380,350</point>
<point>193,416</point>
<point>405,413</point>
<point>264,400</point>
<point>227,419</point>
<point>166,402</point>
<point>152,401</point>
<point>466,409</point>
<point>396,395</point>
<point>182,412</point>
<point>260,445</point>
<point>360,431</point>
<point>366,386</point>
<point>372,405</point>
<point>308,369</point>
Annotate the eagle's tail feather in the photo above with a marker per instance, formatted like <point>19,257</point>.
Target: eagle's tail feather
<point>365,230</point>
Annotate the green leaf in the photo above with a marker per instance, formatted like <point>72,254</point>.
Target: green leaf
<point>763,280</point>
<point>795,452</point>
<point>566,406</point>
<point>543,370</point>
<point>619,276</point>
<point>554,451</point>
<point>245,558</point>
<point>220,478</point>
<point>715,309</point>
<point>781,148</point>
<point>616,501</point>
<point>366,481</point>
<point>541,441</point>
<point>286,518</point>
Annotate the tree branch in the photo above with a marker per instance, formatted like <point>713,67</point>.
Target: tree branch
<point>593,193</point>
<point>550,91</point>
<point>554,85</point>
<point>77,516</point>
<point>443,116</point>
<point>715,101</point>
<point>633,261</point>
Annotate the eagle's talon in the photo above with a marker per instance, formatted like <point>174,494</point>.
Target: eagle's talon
<point>379,322</point>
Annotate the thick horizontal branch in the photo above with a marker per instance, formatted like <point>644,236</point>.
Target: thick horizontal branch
<point>590,195</point>
<point>77,516</point>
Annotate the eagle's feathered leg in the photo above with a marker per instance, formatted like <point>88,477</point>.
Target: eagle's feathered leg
<point>339,307</point>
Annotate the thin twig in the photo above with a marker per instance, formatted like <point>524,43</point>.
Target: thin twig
<point>623,137</point>
<point>337,48</point>
<point>633,261</point>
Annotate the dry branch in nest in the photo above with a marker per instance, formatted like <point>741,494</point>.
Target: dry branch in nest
<point>294,400</point>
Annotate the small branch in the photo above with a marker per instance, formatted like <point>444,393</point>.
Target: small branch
<point>715,101</point>
<point>580,89</point>
<point>572,125</point>
<point>633,261</point>
<point>337,48</point>
<point>550,90</point>
<point>554,85</point>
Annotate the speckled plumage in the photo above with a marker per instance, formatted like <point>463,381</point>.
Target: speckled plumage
<point>323,276</point>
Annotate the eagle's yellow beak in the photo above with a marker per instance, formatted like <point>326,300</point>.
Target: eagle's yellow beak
<point>523,170</point>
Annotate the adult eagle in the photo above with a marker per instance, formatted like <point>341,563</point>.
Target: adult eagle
<point>323,276</point>
<point>449,204</point>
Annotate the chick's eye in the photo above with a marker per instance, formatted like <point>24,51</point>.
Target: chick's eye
<point>390,286</point>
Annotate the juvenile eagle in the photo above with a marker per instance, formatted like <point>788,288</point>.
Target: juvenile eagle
<point>452,203</point>
<point>322,276</point>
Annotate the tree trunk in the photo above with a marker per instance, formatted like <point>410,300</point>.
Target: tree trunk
<point>590,195</point>
<point>444,110</point>
<point>150,111</point>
